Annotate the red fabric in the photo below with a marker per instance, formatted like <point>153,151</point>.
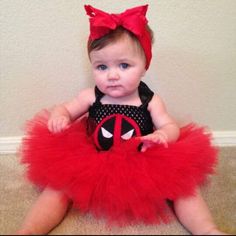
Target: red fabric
<point>133,19</point>
<point>122,184</point>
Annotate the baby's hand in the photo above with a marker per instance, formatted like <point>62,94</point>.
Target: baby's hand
<point>157,137</point>
<point>58,123</point>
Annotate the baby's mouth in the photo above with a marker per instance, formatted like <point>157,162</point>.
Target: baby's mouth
<point>114,86</point>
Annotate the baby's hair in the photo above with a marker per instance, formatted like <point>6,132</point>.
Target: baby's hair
<point>114,36</point>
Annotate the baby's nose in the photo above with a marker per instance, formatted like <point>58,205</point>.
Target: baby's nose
<point>113,75</point>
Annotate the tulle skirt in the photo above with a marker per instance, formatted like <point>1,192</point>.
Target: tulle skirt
<point>122,185</point>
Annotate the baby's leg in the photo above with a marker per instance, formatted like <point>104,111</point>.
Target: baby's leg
<point>47,212</point>
<point>194,214</point>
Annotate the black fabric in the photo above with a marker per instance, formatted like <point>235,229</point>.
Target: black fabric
<point>140,114</point>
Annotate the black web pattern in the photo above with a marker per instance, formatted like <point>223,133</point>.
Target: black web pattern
<point>140,114</point>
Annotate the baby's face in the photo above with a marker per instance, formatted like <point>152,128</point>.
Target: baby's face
<point>118,67</point>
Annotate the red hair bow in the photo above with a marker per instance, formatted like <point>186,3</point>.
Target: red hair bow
<point>134,20</point>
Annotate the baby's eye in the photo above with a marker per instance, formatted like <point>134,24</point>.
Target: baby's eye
<point>124,65</point>
<point>101,67</point>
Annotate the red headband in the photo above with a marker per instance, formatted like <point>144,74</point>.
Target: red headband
<point>134,20</point>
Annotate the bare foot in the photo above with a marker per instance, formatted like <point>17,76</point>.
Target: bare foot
<point>215,231</point>
<point>23,232</point>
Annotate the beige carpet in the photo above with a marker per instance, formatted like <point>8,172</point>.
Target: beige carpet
<point>17,196</point>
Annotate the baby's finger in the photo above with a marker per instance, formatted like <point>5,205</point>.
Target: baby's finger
<point>61,123</point>
<point>147,138</point>
<point>50,127</point>
<point>65,124</point>
<point>163,141</point>
<point>55,126</point>
<point>145,146</point>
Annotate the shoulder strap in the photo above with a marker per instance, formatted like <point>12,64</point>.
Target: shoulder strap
<point>98,94</point>
<point>145,94</point>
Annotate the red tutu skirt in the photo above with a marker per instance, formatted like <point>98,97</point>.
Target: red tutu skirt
<point>122,185</point>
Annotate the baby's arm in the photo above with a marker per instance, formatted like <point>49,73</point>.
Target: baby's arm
<point>62,115</point>
<point>167,129</point>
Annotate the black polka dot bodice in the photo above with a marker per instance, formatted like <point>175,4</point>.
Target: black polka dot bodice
<point>140,114</point>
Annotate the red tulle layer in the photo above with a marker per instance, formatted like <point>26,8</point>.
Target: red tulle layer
<point>122,184</point>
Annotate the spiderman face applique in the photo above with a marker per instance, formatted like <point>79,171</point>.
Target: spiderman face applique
<point>115,129</point>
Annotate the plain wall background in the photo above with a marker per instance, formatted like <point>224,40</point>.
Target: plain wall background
<point>43,58</point>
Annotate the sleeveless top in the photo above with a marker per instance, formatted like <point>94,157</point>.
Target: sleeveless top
<point>112,123</point>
